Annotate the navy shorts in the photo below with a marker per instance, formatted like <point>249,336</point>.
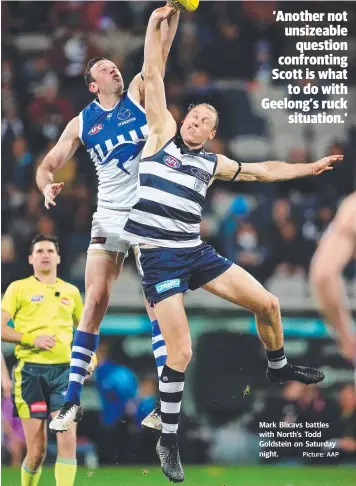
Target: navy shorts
<point>168,271</point>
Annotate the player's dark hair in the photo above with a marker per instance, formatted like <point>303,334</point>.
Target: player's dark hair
<point>88,78</point>
<point>43,237</point>
<point>210,107</point>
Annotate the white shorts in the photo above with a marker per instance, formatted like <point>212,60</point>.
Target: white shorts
<point>106,230</point>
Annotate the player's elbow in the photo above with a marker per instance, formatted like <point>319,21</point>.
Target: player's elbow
<point>47,165</point>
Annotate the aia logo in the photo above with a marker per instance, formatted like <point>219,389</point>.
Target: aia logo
<point>171,162</point>
<point>96,129</point>
<point>65,301</point>
<point>37,298</point>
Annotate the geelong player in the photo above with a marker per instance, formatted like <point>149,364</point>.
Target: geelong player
<point>336,249</point>
<point>175,173</point>
<point>44,310</point>
<point>113,129</point>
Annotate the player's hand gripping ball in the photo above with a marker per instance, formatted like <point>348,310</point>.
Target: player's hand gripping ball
<point>185,5</point>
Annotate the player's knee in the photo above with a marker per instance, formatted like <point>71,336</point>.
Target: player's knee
<point>274,303</point>
<point>187,354</point>
<point>270,305</point>
<point>184,353</point>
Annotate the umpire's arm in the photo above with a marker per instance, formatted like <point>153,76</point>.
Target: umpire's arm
<point>8,334</point>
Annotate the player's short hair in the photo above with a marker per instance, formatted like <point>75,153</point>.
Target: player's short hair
<point>210,107</point>
<point>43,237</point>
<point>88,78</point>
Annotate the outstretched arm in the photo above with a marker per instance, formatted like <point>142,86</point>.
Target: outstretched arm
<point>272,171</point>
<point>55,160</point>
<point>334,252</point>
<point>160,122</point>
<point>168,29</point>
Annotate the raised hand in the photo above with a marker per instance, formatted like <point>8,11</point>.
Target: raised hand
<point>325,164</point>
<point>163,13</point>
<point>50,192</point>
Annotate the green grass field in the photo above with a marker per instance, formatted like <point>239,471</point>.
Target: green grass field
<point>202,476</point>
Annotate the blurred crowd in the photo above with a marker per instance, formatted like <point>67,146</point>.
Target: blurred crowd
<point>223,54</point>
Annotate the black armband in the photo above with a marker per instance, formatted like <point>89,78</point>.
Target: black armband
<point>237,172</point>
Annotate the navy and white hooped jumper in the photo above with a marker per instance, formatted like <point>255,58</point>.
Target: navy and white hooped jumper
<point>173,187</point>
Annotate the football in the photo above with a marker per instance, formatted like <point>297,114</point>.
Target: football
<point>185,5</point>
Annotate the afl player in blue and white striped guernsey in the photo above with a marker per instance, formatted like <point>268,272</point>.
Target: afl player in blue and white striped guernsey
<point>113,129</point>
<point>175,173</point>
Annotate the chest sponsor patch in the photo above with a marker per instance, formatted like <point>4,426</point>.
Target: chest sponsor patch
<point>167,285</point>
<point>171,162</point>
<point>37,407</point>
<point>37,298</point>
<point>201,174</point>
<point>96,129</point>
<point>65,301</point>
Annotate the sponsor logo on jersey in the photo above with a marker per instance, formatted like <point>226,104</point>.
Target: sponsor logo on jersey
<point>38,407</point>
<point>201,174</point>
<point>126,121</point>
<point>96,129</point>
<point>65,301</point>
<point>123,114</point>
<point>109,116</point>
<point>167,285</point>
<point>171,162</point>
<point>37,298</point>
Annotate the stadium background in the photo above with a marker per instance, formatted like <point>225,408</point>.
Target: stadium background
<point>223,54</point>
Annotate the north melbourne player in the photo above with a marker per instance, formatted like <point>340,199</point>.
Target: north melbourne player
<point>175,173</point>
<point>44,310</point>
<point>113,129</point>
<point>336,249</point>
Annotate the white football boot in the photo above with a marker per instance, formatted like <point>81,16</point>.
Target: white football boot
<point>68,413</point>
<point>153,420</point>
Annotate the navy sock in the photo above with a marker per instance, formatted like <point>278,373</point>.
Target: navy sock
<point>171,385</point>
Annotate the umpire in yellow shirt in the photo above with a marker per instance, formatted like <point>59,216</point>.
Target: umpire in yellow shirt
<point>44,310</point>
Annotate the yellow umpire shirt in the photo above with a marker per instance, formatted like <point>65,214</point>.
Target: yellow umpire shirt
<point>39,308</point>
